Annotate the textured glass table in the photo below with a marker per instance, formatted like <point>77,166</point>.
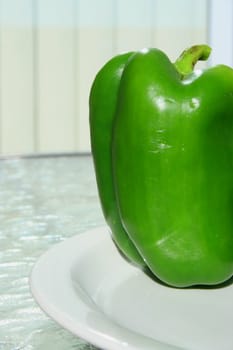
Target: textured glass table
<point>43,201</point>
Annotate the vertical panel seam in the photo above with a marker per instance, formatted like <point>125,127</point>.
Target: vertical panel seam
<point>114,26</point>
<point>75,72</point>
<point>208,23</point>
<point>152,21</point>
<point>1,133</point>
<point>231,35</point>
<point>35,57</point>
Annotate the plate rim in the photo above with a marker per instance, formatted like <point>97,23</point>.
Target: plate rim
<point>109,341</point>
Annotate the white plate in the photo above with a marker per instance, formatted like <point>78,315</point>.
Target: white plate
<point>88,288</point>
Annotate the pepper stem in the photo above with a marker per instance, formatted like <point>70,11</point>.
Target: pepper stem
<point>189,57</point>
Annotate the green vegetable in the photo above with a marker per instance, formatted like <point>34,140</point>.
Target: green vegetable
<point>162,145</point>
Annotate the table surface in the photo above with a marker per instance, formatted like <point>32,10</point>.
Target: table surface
<point>44,200</point>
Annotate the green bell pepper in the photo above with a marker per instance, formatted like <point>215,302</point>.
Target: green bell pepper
<point>163,151</point>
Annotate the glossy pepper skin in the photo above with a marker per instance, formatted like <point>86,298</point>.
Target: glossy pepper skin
<point>103,103</point>
<point>172,165</point>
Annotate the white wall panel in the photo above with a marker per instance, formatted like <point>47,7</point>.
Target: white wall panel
<point>95,46</point>
<point>221,31</point>
<point>17,80</point>
<point>55,76</point>
<point>180,24</point>
<point>51,50</point>
<point>133,24</point>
